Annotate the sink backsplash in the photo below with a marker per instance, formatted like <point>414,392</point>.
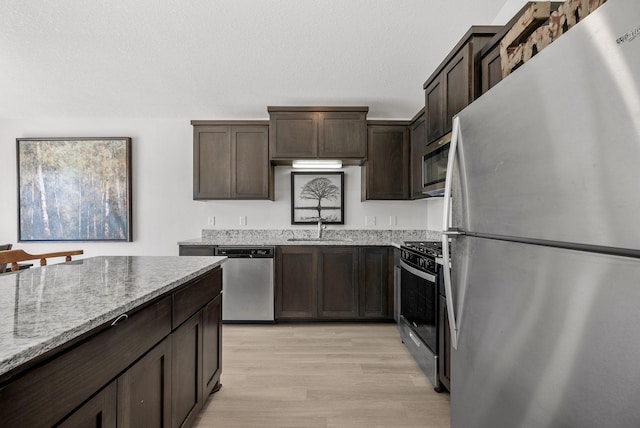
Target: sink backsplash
<point>274,236</point>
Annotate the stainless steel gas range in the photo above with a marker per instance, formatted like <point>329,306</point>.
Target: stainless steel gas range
<point>419,296</point>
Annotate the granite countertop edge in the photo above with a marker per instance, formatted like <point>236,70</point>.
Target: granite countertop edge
<point>281,237</point>
<point>203,243</point>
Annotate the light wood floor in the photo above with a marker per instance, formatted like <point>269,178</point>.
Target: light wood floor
<point>321,375</point>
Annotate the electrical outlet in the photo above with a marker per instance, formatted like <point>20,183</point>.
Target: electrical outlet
<point>393,220</point>
<point>211,220</point>
<point>369,220</point>
<point>243,220</point>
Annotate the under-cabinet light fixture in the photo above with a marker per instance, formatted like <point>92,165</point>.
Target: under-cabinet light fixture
<point>317,164</point>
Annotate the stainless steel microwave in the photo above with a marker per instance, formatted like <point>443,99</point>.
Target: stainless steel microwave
<point>434,166</point>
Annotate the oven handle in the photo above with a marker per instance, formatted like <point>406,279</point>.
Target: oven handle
<point>418,273</point>
<point>448,231</point>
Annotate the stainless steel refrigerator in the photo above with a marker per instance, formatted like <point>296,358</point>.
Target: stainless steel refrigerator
<point>544,225</point>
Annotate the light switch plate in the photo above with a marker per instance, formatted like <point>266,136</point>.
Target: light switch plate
<point>393,220</point>
<point>369,220</point>
<point>243,220</point>
<point>211,220</point>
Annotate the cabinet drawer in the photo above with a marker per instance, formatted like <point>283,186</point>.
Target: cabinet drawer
<point>46,393</point>
<point>193,296</point>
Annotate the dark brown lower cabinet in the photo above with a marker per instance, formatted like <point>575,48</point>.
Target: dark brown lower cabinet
<point>144,390</point>
<point>375,285</point>
<point>211,345</point>
<point>186,371</point>
<point>197,359</point>
<point>296,282</point>
<point>444,345</point>
<point>99,412</point>
<point>333,283</point>
<point>338,282</point>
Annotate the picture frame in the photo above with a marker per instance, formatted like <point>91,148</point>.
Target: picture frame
<point>310,193</point>
<point>74,189</point>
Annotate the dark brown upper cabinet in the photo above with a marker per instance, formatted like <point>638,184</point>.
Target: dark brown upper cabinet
<point>491,65</point>
<point>318,133</point>
<point>418,146</point>
<point>490,60</point>
<point>231,160</point>
<point>385,174</point>
<point>435,108</point>
<point>456,81</point>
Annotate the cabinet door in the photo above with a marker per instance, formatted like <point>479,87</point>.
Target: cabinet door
<point>212,162</point>
<point>418,145</point>
<point>374,282</point>
<point>342,135</point>
<point>491,65</point>
<point>387,168</point>
<point>250,161</point>
<point>212,344</point>
<point>338,282</point>
<point>186,371</point>
<point>444,345</point>
<point>99,412</point>
<point>293,135</point>
<point>144,390</point>
<point>296,282</point>
<point>457,85</point>
<point>434,108</point>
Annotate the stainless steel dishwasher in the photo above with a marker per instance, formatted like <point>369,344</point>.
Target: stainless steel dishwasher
<point>247,284</point>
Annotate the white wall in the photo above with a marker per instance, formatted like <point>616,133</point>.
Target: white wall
<point>163,209</point>
<point>510,8</point>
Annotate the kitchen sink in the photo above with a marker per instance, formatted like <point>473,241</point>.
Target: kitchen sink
<point>321,239</point>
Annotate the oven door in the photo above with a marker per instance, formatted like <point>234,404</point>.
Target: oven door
<point>419,303</point>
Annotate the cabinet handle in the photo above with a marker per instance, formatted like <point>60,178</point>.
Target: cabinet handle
<point>122,317</point>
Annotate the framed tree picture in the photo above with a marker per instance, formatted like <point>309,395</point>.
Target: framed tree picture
<point>74,189</point>
<point>317,195</point>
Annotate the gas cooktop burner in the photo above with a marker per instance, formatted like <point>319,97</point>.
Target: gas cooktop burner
<point>429,248</point>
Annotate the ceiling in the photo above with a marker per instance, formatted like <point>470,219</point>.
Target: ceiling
<point>224,59</point>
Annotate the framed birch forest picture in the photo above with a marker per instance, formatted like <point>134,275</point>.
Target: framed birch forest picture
<point>74,189</point>
<point>317,195</point>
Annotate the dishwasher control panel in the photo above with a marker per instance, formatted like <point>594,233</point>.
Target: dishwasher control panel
<point>245,252</point>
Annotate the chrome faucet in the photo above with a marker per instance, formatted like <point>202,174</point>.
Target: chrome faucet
<point>321,227</point>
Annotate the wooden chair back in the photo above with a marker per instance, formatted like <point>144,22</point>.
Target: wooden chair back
<point>4,247</point>
<point>15,256</point>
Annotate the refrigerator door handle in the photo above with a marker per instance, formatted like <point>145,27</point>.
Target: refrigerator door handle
<point>454,232</point>
<point>448,231</point>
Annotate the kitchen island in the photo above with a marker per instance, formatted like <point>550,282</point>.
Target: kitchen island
<point>107,339</point>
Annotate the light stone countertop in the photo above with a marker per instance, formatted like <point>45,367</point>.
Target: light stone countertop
<point>45,307</point>
<point>356,237</point>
